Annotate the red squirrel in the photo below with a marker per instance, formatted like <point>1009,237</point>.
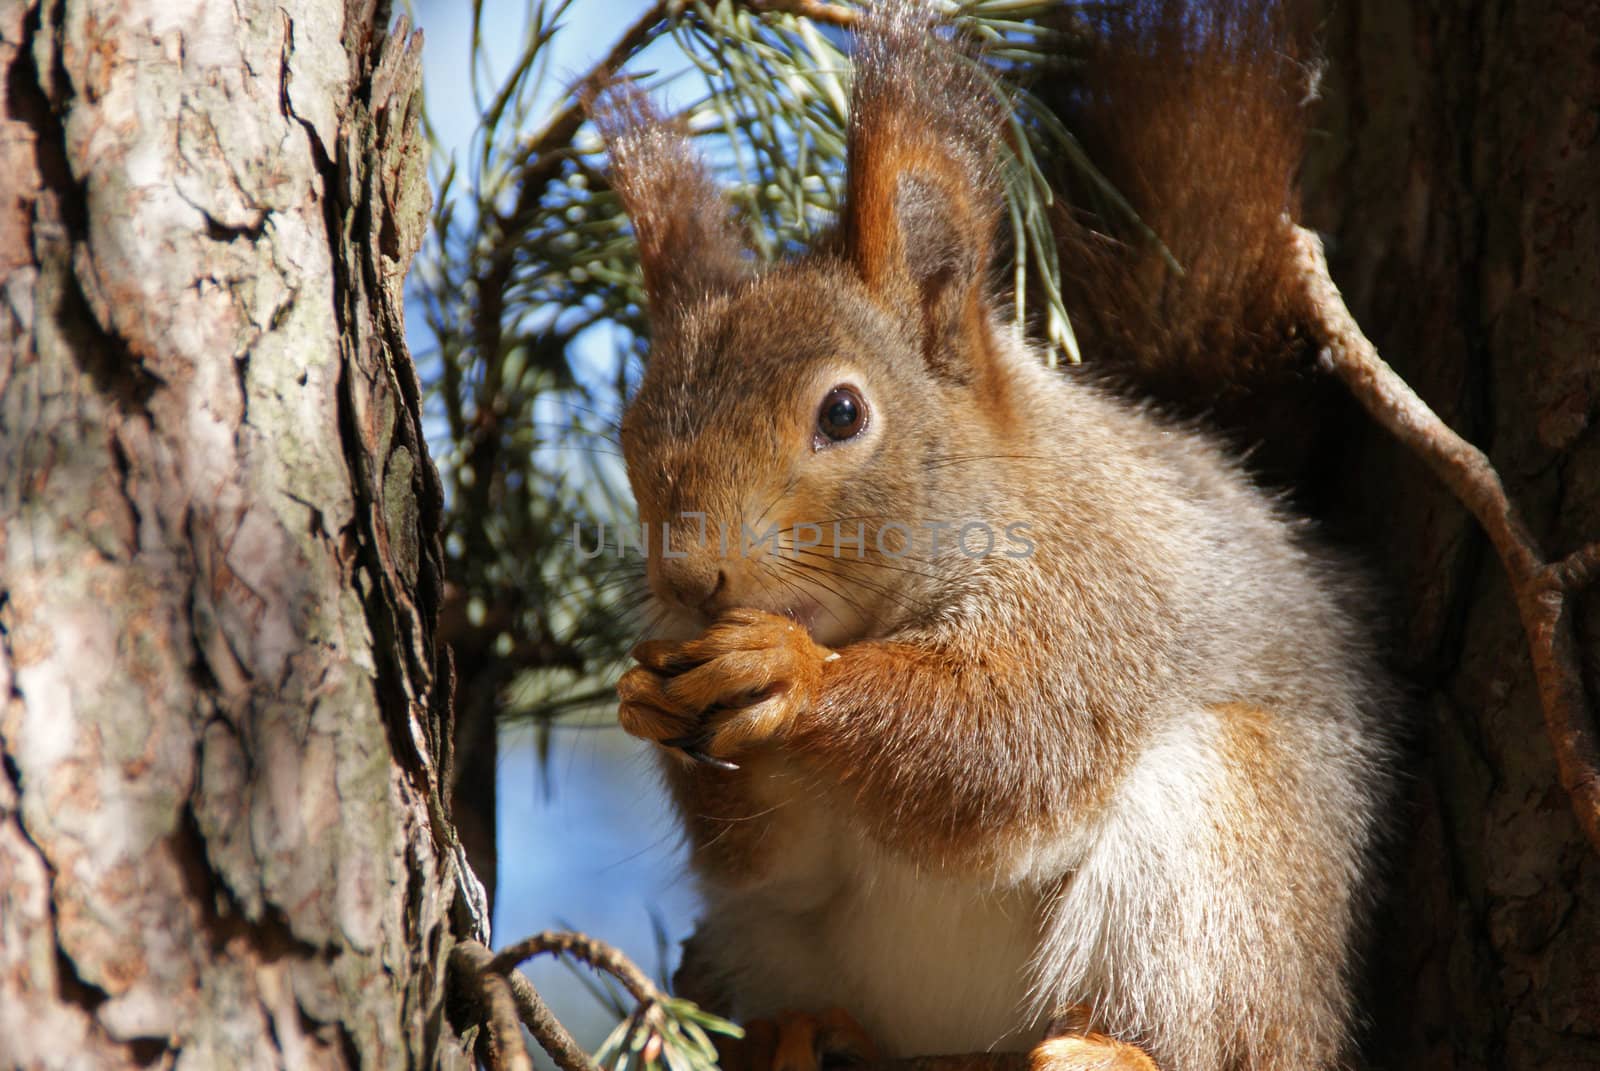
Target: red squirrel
<point>1036,725</point>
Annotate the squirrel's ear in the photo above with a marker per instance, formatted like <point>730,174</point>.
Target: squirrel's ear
<point>921,197</point>
<point>689,246</point>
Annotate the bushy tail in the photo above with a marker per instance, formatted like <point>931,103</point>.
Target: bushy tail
<point>1195,112</point>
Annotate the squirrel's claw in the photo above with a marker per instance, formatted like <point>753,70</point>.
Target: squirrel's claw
<point>693,747</point>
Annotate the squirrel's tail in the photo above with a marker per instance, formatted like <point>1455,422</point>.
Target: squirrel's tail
<point>1194,111</point>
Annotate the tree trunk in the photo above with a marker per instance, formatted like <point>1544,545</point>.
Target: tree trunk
<point>1458,183</point>
<point>223,718</point>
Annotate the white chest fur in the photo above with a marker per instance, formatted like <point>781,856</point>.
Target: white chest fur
<point>928,963</point>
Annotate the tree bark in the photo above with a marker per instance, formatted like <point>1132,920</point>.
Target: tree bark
<point>224,722</point>
<point>1457,184</point>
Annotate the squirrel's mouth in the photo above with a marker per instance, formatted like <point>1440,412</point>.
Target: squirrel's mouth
<point>804,613</point>
<point>803,610</point>
<point>829,623</point>
<point>826,624</point>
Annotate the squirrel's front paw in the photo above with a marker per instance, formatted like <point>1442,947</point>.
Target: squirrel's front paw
<point>741,682</point>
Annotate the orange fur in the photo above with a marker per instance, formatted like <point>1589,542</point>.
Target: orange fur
<point>1089,1052</point>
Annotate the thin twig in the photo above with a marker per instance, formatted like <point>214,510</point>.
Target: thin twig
<point>547,146</point>
<point>545,1028</point>
<point>471,962</point>
<point>815,10</point>
<point>1580,568</point>
<point>507,996</point>
<point>1541,588</point>
<point>507,992</point>
<point>595,953</point>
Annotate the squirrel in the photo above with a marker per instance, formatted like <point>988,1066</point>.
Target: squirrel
<point>1002,712</point>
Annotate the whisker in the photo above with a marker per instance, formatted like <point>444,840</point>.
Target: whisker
<point>593,450</point>
<point>609,434</point>
<point>652,621</point>
<point>961,459</point>
<point>781,495</point>
<point>819,552</point>
<point>813,572</point>
<point>831,550</point>
<point>793,587</point>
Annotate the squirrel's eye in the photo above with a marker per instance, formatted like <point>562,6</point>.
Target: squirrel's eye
<point>842,415</point>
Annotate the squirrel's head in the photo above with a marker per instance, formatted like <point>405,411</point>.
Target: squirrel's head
<point>795,424</point>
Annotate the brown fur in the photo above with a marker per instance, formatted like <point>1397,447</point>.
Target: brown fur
<point>1148,751</point>
<point>1195,113</point>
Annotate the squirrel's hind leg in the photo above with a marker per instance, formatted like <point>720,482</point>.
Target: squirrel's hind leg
<point>1088,1052</point>
<point>1073,1044</point>
<point>1212,918</point>
<point>833,1041</point>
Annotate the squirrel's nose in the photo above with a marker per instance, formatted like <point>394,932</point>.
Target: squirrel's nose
<point>692,584</point>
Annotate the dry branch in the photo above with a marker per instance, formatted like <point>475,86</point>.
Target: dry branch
<point>596,954</point>
<point>498,987</point>
<point>1541,588</point>
<point>504,995</point>
<point>471,963</point>
<point>545,1027</point>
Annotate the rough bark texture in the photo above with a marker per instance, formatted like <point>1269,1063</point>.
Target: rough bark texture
<point>1458,185</point>
<point>222,718</point>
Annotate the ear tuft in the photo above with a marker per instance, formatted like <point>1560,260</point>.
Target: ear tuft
<point>689,246</point>
<point>922,198</point>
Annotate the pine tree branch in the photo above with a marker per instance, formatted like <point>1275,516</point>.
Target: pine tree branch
<point>546,147</point>
<point>1541,588</point>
